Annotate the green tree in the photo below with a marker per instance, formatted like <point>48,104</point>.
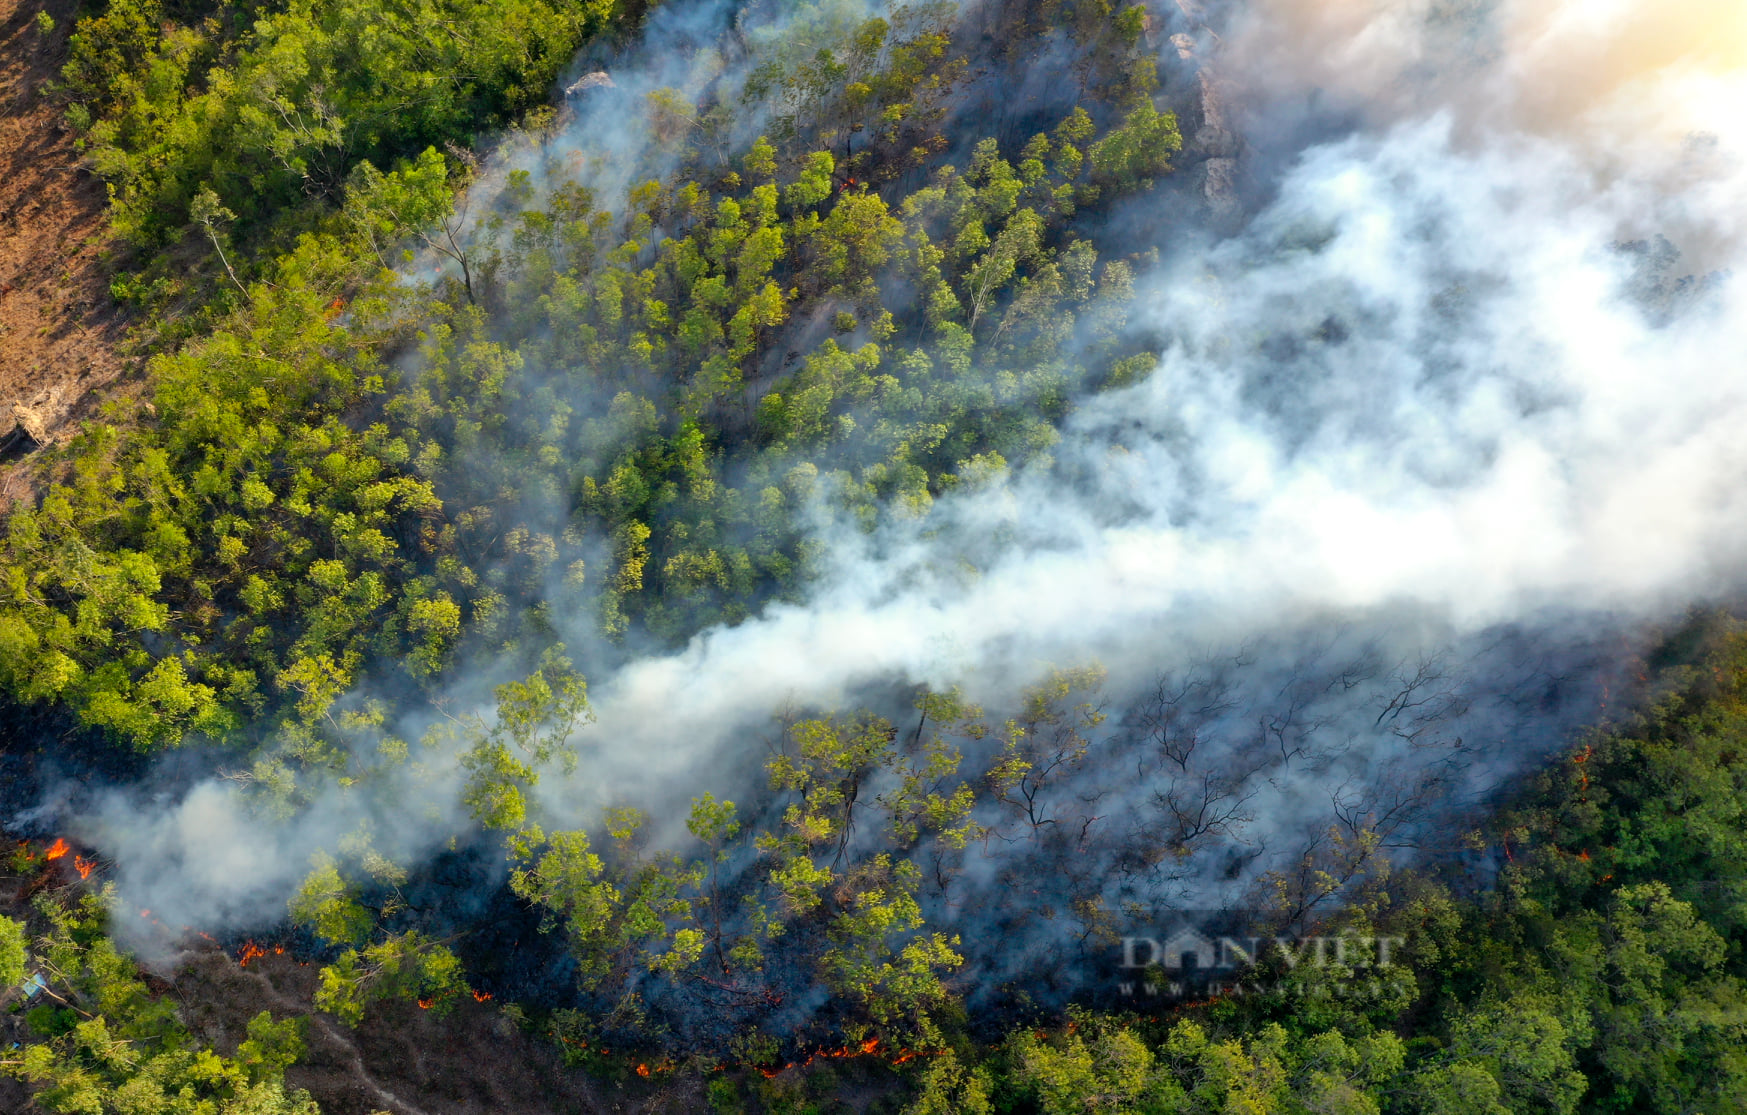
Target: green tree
<point>946,1087</point>
<point>12,953</point>
<point>1069,1075</point>
<point>403,966</point>
<point>114,1046</point>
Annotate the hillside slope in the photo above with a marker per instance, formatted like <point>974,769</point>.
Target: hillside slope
<point>59,328</point>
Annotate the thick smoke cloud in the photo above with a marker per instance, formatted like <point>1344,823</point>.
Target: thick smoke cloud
<point>1418,380</point>
<point>1419,428</point>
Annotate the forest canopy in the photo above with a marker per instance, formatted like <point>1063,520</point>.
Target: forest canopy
<point>475,345</point>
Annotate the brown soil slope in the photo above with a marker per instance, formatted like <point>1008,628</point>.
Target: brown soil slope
<point>58,326</point>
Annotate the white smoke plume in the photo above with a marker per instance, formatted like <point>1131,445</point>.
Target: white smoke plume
<point>1420,418</point>
<point>1417,380</point>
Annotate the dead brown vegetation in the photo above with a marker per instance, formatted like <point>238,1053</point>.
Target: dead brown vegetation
<point>59,327</point>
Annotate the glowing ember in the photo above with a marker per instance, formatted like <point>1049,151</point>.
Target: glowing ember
<point>84,866</point>
<point>58,849</point>
<point>870,1047</point>
<point>867,1048</point>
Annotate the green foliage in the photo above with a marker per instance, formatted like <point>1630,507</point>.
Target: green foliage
<point>12,953</point>
<point>261,107</point>
<point>337,476</point>
<point>877,958</point>
<point>1602,973</point>
<point>567,879</point>
<point>1628,920</point>
<point>113,1046</point>
<point>594,424</point>
<point>290,514</point>
<point>1068,1076</point>
<point>401,966</point>
<point>1139,151</point>
<point>946,1087</point>
<point>327,905</point>
<point>271,1047</point>
<point>533,725</point>
<point>841,874</point>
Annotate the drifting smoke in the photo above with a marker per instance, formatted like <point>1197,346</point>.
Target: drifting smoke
<point>1552,67</point>
<point>1416,384</point>
<point>1424,449</point>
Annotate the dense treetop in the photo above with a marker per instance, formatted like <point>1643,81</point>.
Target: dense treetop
<point>414,399</point>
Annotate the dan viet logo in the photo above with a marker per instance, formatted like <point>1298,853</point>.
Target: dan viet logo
<point>1194,961</point>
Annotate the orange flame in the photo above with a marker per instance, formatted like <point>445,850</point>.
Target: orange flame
<point>427,1004</point>
<point>865,1049</point>
<point>251,951</point>
<point>482,996</point>
<point>58,849</point>
<point>1583,775</point>
<point>870,1047</point>
<point>84,866</point>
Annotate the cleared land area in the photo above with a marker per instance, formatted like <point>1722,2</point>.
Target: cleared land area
<point>59,327</point>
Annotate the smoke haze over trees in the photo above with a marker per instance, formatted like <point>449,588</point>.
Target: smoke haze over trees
<point>739,530</point>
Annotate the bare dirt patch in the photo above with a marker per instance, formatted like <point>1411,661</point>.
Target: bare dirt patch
<point>404,1060</point>
<point>59,327</point>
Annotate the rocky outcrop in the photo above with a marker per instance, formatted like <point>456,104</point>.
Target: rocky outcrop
<point>1214,139</point>
<point>47,417</point>
<point>599,79</point>
<point>1219,188</point>
<point>1212,151</point>
<point>24,429</point>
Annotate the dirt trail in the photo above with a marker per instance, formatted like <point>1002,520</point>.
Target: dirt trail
<point>59,328</point>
